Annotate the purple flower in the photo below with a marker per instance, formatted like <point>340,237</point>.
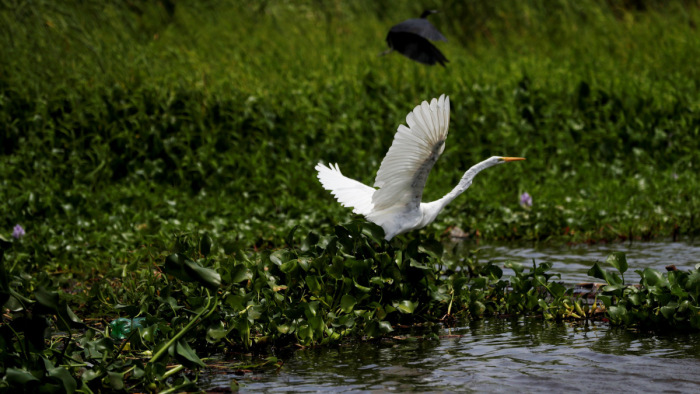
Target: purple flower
<point>18,232</point>
<point>525,200</point>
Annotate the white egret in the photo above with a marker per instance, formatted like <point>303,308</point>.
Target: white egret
<point>396,203</point>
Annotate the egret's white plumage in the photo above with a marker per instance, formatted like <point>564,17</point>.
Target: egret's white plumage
<point>395,204</point>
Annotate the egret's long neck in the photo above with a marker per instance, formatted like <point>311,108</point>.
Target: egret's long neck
<point>466,181</point>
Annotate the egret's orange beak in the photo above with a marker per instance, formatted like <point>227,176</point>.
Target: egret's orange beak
<point>512,158</point>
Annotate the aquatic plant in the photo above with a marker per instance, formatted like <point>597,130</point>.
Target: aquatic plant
<point>125,138</point>
<point>526,200</point>
<point>659,299</point>
<point>18,232</point>
<point>350,284</point>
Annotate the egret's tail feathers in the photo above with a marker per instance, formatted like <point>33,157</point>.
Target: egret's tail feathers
<point>349,192</point>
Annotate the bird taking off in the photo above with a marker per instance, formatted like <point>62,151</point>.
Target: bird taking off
<point>395,204</point>
<point>411,39</point>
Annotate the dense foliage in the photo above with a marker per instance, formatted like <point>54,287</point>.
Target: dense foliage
<point>198,302</point>
<point>158,158</point>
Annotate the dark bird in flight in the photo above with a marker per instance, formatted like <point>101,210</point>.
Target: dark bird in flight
<point>411,39</point>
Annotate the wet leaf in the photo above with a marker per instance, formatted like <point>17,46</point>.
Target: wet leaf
<point>183,349</point>
<point>241,273</point>
<point>653,278</point>
<point>347,303</point>
<point>20,377</point>
<point>618,260</point>
<point>116,380</point>
<point>406,306</point>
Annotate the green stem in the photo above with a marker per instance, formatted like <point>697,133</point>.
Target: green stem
<point>182,332</point>
<point>173,371</point>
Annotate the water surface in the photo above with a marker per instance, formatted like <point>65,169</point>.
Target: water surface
<point>507,355</point>
<point>573,262</point>
<point>493,355</point>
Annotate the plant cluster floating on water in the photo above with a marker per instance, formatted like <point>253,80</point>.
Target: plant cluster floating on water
<point>196,302</point>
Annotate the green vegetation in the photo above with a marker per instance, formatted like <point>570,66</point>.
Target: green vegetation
<point>160,158</point>
<point>350,284</point>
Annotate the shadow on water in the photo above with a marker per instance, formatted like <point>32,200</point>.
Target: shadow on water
<point>506,355</point>
<point>522,354</point>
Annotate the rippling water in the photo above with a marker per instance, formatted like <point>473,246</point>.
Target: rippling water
<point>494,355</point>
<point>514,355</point>
<point>573,262</point>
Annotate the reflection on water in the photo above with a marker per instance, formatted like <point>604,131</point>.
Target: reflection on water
<point>524,355</point>
<point>573,262</point>
<point>507,355</point>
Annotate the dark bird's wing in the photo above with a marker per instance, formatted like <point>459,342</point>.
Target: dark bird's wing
<point>415,47</point>
<point>421,27</point>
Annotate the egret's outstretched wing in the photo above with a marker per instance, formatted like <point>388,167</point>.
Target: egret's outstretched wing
<point>415,149</point>
<point>349,192</point>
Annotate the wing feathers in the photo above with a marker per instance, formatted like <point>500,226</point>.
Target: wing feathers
<point>349,192</point>
<point>404,170</point>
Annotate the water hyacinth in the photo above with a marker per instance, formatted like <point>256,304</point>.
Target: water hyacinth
<point>18,232</point>
<point>526,200</point>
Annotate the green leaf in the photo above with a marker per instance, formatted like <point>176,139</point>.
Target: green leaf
<point>290,236</point>
<point>216,332</point>
<point>477,308</point>
<point>347,303</point>
<point>289,266</point>
<point>405,306</point>
<point>335,269</point>
<point>314,284</point>
<point>311,309</point>
<point>62,375</point>
<point>189,271</point>
<point>116,380</point>
<point>207,277</point>
<point>606,300</point>
<point>618,314</point>
<point>416,264</point>
<point>618,260</point>
<point>516,267</point>
<point>385,327</point>
<point>183,349</point>
<point>280,256</point>
<point>254,312</point>
<point>316,323</point>
<point>309,242</point>
<point>235,302</point>
<point>493,271</point>
<point>19,377</point>
<point>90,374</point>
<point>47,299</point>
<point>363,289</point>
<point>241,273</point>
<point>556,289</point>
<point>653,278</point>
<point>174,266</point>
<point>668,311</point>
<point>284,328</point>
<point>611,278</point>
<point>459,282</point>
<point>205,244</point>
